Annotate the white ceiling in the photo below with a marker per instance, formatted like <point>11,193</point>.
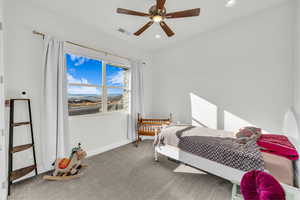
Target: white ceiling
<point>101,14</point>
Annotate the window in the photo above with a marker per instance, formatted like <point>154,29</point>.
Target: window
<point>117,88</point>
<point>96,86</point>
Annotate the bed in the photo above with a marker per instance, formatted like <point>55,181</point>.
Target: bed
<point>167,143</point>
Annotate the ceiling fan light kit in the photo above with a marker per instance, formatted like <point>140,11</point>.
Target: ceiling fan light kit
<point>158,14</point>
<point>157,18</point>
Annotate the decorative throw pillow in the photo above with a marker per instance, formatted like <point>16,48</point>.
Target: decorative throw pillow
<point>279,145</point>
<point>248,132</point>
<point>258,185</point>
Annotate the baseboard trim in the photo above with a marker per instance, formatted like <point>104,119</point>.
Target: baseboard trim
<point>107,148</point>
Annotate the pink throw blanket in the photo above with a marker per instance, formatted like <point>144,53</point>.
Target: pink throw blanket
<point>278,145</point>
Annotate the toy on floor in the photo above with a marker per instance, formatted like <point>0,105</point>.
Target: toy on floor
<point>68,168</point>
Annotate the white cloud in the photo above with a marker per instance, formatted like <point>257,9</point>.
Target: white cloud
<point>117,79</point>
<point>84,81</point>
<point>72,79</point>
<point>73,57</point>
<point>83,90</point>
<point>78,60</point>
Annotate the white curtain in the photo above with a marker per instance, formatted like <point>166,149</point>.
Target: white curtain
<point>55,137</point>
<point>137,97</point>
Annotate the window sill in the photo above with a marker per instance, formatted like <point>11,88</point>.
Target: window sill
<point>74,117</point>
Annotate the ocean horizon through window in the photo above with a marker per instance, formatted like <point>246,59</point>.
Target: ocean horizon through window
<point>95,86</point>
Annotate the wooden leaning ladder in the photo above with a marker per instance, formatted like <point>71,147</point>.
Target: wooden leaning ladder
<point>16,174</point>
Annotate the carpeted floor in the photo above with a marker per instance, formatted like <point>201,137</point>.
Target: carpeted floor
<point>127,173</point>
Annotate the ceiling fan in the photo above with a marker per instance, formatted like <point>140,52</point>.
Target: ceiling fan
<point>157,13</point>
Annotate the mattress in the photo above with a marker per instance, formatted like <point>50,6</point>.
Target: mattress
<point>280,167</point>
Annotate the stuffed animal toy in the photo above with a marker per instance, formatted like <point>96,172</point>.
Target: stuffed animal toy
<point>248,134</point>
<point>68,168</point>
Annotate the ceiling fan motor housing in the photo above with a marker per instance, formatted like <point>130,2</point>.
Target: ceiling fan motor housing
<point>153,11</point>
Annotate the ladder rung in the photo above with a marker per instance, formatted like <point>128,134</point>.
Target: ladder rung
<point>21,148</point>
<point>16,174</point>
<point>20,99</point>
<point>20,123</point>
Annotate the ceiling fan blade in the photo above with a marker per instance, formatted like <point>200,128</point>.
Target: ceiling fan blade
<point>185,13</point>
<point>160,4</point>
<point>145,27</point>
<point>167,29</point>
<point>131,12</point>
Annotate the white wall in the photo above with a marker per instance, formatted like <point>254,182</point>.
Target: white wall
<point>99,133</point>
<point>2,138</point>
<point>148,87</point>
<point>24,52</point>
<point>244,68</point>
<point>297,59</point>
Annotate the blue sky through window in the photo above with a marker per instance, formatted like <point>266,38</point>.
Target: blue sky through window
<point>84,70</point>
<point>114,76</point>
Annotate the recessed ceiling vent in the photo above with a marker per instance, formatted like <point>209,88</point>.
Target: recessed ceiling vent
<point>123,31</point>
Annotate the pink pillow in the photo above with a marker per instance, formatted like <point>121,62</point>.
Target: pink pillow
<point>279,145</point>
<point>258,185</point>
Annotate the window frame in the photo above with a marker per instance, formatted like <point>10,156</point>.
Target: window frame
<point>103,87</point>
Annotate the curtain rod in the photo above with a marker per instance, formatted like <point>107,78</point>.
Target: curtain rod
<point>86,47</point>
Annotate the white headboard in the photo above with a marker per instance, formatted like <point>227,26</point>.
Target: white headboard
<point>291,129</point>
<point>296,143</point>
<point>290,125</point>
